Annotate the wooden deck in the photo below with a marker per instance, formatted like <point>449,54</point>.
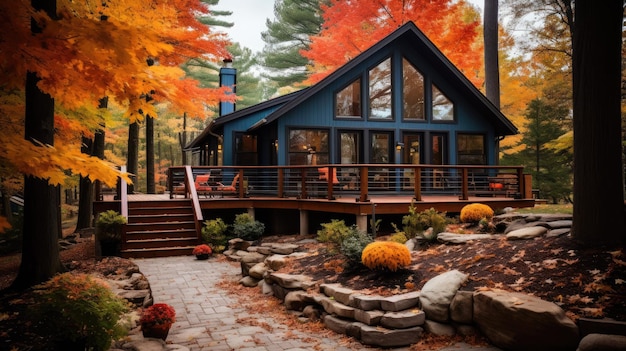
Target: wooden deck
<point>384,204</point>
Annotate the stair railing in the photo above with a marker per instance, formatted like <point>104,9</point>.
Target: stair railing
<point>195,202</point>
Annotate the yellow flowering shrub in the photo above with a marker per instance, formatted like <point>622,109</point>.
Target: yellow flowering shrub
<point>386,255</point>
<point>475,212</point>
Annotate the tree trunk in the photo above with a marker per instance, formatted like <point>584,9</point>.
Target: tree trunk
<point>86,190</point>
<point>133,155</point>
<point>182,140</point>
<point>598,188</point>
<point>40,247</point>
<point>490,34</point>
<point>150,186</point>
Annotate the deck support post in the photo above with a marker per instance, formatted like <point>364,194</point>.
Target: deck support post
<point>304,222</point>
<point>361,222</point>
<point>251,212</point>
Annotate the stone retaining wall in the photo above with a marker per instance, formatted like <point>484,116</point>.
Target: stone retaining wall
<point>511,321</point>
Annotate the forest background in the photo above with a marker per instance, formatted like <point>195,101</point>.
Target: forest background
<point>132,84</point>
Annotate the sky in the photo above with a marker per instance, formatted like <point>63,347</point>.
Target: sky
<point>249,17</point>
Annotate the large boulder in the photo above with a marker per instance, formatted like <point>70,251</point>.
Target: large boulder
<point>515,321</point>
<point>437,294</point>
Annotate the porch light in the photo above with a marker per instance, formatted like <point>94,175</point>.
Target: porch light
<point>399,145</point>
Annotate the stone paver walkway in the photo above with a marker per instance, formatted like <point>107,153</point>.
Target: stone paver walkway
<point>206,316</point>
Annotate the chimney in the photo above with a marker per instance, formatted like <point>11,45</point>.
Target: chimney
<point>228,78</point>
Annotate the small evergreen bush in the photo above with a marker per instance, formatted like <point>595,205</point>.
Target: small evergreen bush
<point>109,225</point>
<point>386,255</point>
<point>474,213</point>
<point>399,237</point>
<point>214,234</point>
<point>247,228</point>
<point>78,307</point>
<point>353,244</point>
<point>415,223</point>
<point>333,233</point>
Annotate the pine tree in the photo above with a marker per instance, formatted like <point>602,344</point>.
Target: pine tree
<point>296,21</point>
<point>551,170</point>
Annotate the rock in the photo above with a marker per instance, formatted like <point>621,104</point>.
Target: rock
<point>258,270</point>
<point>334,307</point>
<point>383,337</point>
<point>252,257</point>
<point>558,232</point>
<point>249,281</point>
<point>291,281</point>
<point>368,317</point>
<point>283,249</point>
<point>437,294</point>
<point>296,300</point>
<point>311,312</point>
<point>403,319</point>
<point>454,238</point>
<point>536,325</point>
<point>462,307</point>
<point>527,233</point>
<point>276,262</point>
<point>338,292</point>
<point>400,302</point>
<point>366,302</point>
<point>238,244</point>
<point>559,224</point>
<point>602,342</point>
<point>439,329</point>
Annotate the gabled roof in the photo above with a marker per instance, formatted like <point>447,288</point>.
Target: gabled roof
<point>221,120</point>
<point>408,32</point>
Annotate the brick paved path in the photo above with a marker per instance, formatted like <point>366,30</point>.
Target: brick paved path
<point>206,317</point>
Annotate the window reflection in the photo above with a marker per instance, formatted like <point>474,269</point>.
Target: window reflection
<point>348,100</point>
<point>308,147</point>
<point>413,92</point>
<point>443,109</point>
<point>380,91</point>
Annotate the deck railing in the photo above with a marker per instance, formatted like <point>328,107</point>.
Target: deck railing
<point>359,180</point>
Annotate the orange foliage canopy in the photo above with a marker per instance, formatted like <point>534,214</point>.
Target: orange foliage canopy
<point>123,50</point>
<point>352,26</point>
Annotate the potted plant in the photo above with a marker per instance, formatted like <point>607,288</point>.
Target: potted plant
<point>157,320</point>
<point>202,251</point>
<point>109,226</point>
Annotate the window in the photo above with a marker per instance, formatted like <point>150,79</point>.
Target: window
<point>471,149</point>
<point>381,147</point>
<point>380,91</point>
<point>413,92</point>
<point>308,147</point>
<point>443,109</point>
<point>246,150</point>
<point>350,144</point>
<point>348,100</point>
<point>439,152</point>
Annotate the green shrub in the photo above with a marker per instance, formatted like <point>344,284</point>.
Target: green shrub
<point>109,225</point>
<point>333,233</point>
<point>415,223</point>
<point>399,237</point>
<point>214,234</point>
<point>247,228</point>
<point>78,307</point>
<point>353,244</point>
<point>386,255</point>
<point>475,212</point>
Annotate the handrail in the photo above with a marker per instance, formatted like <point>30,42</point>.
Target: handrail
<point>280,180</point>
<point>195,202</point>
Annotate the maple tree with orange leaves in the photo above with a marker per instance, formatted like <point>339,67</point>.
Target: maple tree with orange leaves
<point>71,55</point>
<point>352,26</point>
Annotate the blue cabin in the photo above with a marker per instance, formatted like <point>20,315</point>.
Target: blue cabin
<point>399,102</point>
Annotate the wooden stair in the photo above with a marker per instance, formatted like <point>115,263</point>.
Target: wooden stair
<point>159,229</point>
